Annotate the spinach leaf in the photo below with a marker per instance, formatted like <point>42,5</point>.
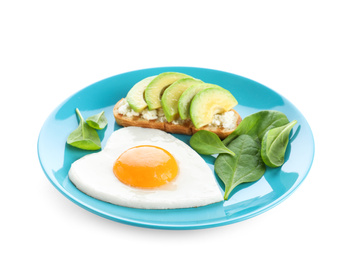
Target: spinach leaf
<point>84,137</point>
<point>274,144</point>
<point>257,124</point>
<point>245,166</point>
<point>98,121</point>
<point>206,142</point>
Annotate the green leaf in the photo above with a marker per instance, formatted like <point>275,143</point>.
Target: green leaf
<point>206,142</point>
<point>245,166</point>
<point>84,137</point>
<point>98,121</point>
<point>257,124</point>
<point>274,144</point>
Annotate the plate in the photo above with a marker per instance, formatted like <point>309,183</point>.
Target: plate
<point>246,201</point>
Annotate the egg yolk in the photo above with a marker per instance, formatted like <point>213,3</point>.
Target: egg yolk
<point>145,166</point>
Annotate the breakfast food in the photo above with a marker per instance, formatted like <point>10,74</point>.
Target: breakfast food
<point>142,167</point>
<point>188,95</point>
<point>146,168</point>
<point>85,135</point>
<point>171,96</point>
<point>156,87</point>
<point>208,103</point>
<point>260,139</point>
<point>165,102</point>
<point>135,97</point>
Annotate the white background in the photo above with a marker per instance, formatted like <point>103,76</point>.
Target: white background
<point>301,49</point>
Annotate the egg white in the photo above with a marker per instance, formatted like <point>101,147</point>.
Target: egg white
<point>194,186</point>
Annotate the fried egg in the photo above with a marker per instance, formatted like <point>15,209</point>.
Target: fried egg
<point>146,168</point>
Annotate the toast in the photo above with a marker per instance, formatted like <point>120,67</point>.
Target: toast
<point>158,121</point>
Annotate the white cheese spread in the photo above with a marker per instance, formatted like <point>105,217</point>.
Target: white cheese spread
<point>126,110</point>
<point>226,120</point>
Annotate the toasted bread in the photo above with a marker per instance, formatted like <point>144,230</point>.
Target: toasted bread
<point>183,127</point>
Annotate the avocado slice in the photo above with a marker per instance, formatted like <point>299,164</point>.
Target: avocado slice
<point>172,94</point>
<point>154,90</point>
<point>135,97</point>
<point>185,98</point>
<point>209,102</point>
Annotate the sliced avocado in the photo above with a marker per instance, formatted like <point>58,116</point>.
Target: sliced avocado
<point>172,94</point>
<point>209,102</point>
<point>154,90</point>
<point>185,98</point>
<point>135,97</point>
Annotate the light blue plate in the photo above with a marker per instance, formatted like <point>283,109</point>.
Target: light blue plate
<point>246,201</point>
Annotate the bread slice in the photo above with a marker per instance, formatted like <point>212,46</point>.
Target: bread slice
<point>181,127</point>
